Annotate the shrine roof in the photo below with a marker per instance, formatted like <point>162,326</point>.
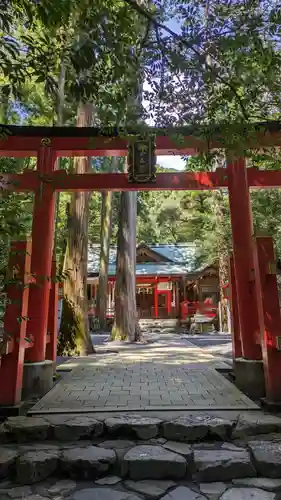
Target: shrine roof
<point>178,259</point>
<point>180,253</point>
<point>150,269</point>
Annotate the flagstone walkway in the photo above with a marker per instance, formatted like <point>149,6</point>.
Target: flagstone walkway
<point>168,373</point>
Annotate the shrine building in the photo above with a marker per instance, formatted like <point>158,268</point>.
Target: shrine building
<point>166,277</point>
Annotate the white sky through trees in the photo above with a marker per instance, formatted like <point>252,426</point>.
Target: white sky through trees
<point>173,161</point>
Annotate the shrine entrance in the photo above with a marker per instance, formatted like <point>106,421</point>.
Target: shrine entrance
<point>145,299</point>
<point>256,321</point>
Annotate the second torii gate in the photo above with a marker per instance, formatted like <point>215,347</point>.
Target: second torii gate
<point>257,323</point>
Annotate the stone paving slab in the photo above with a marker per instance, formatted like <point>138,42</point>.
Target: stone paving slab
<point>168,374</point>
<point>91,388</point>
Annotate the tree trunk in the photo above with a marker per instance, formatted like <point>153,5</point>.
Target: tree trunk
<point>60,101</point>
<point>105,237</point>
<point>125,323</point>
<point>106,219</point>
<point>222,251</point>
<point>75,337</point>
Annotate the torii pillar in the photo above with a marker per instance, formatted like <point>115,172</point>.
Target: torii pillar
<point>271,319</point>
<point>38,372</point>
<point>249,368</point>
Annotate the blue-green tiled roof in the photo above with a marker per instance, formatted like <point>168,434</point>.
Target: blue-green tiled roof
<point>180,253</point>
<point>148,269</point>
<point>180,257</point>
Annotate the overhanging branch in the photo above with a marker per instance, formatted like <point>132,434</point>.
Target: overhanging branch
<point>201,57</point>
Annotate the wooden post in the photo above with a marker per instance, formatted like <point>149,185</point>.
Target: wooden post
<point>41,262</point>
<point>235,327</point>
<point>271,334</point>
<point>156,299</point>
<point>11,364</point>
<point>51,348</point>
<point>109,289</point>
<point>241,222</point>
<point>220,316</point>
<point>169,300</point>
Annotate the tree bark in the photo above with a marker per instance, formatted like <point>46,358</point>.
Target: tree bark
<point>222,251</point>
<point>106,220</point>
<point>60,101</point>
<point>125,323</point>
<point>105,237</point>
<point>75,337</point>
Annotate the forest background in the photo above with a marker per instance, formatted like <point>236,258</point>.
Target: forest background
<point>75,63</point>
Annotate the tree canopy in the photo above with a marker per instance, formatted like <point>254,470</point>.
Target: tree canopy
<point>202,62</point>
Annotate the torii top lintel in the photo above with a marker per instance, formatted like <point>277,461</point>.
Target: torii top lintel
<point>20,141</point>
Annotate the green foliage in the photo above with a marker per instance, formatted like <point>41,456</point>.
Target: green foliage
<point>92,42</point>
<point>266,206</point>
<point>223,68</point>
<point>15,211</point>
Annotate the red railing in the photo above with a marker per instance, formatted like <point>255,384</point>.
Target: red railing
<point>148,313</point>
<point>15,343</point>
<point>188,309</point>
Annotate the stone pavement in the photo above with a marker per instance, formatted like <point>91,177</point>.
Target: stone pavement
<point>201,457</point>
<point>167,373</point>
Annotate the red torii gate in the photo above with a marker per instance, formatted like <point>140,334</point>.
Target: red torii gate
<point>255,307</point>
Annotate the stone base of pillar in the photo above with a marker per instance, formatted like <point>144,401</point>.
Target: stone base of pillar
<point>37,379</point>
<point>249,377</point>
<point>12,411</point>
<point>271,406</point>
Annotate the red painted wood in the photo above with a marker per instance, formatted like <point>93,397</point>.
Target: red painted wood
<point>98,146</point>
<point>61,181</point>
<point>258,179</point>
<point>11,365</point>
<point>235,327</point>
<point>268,293</point>
<point>27,181</point>
<point>241,222</point>
<point>107,146</point>
<point>41,262</point>
<point>156,298</point>
<point>189,309</point>
<point>119,182</point>
<point>51,348</point>
<point>169,302</point>
<point>26,343</point>
<point>150,279</point>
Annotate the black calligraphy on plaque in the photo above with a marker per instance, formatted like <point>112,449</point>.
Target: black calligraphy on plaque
<point>141,159</point>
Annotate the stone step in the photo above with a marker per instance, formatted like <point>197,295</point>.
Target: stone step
<point>188,458</point>
<point>160,326</point>
<point>138,490</point>
<point>32,463</point>
<point>192,427</point>
<point>131,471</point>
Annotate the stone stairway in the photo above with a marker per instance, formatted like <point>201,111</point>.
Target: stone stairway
<point>131,457</point>
<point>168,325</point>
